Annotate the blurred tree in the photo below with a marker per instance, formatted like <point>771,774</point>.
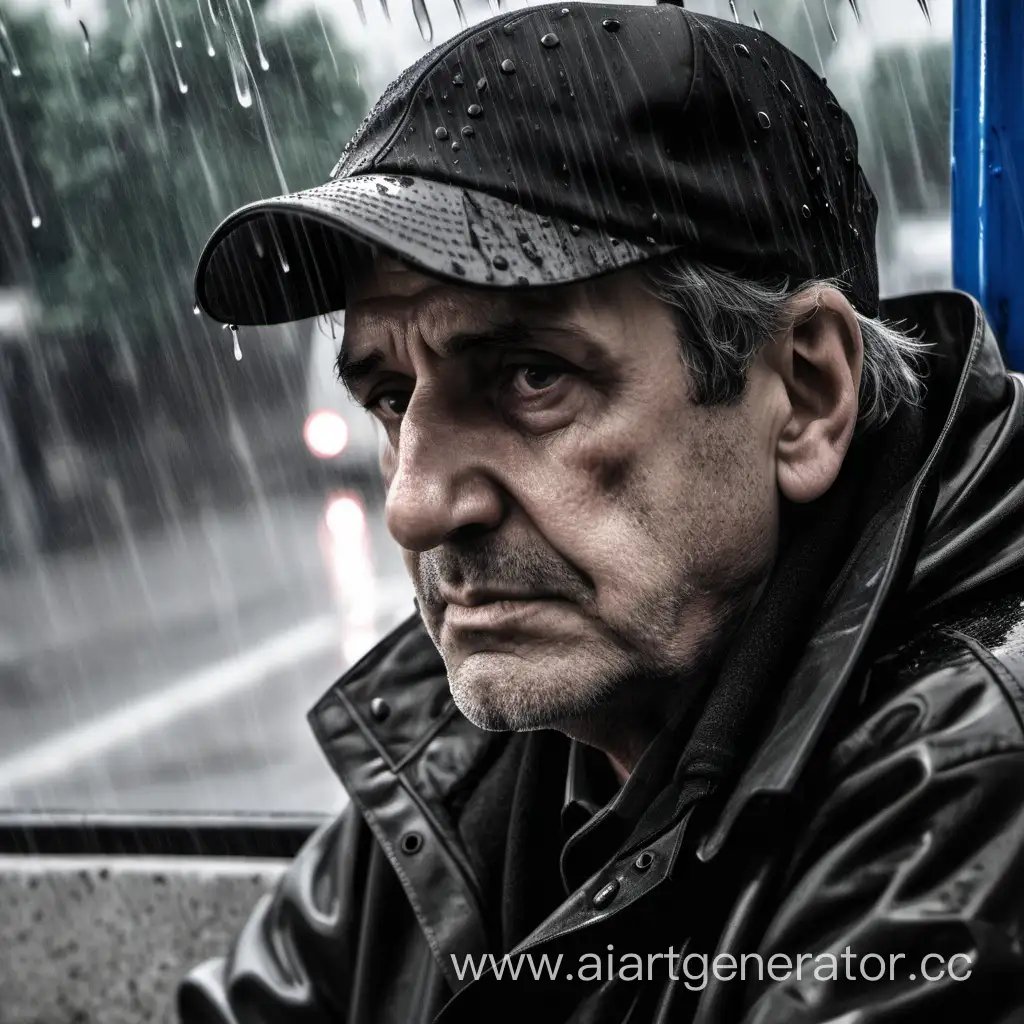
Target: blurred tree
<point>137,142</point>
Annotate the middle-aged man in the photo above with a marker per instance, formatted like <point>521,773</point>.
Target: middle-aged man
<point>711,707</point>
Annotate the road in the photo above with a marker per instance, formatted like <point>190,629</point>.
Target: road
<point>173,672</point>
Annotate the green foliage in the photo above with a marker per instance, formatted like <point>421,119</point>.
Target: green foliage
<point>130,174</point>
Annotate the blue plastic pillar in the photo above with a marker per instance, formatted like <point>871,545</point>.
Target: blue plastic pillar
<point>988,163</point>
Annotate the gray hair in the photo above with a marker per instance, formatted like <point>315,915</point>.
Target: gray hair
<point>724,321</point>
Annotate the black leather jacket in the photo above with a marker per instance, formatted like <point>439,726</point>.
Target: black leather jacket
<point>883,813</point>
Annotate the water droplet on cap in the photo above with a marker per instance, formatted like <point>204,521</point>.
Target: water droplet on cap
<point>574,228</point>
<point>457,78</point>
<point>441,133</point>
<point>475,110</point>
<point>455,145</point>
<point>763,119</point>
<point>785,89</point>
<point>848,156</point>
<point>508,28</point>
<point>742,50</point>
<point>806,211</point>
<point>481,84</point>
<point>499,263</point>
<point>610,24</point>
<point>508,67</point>
<point>468,131</point>
<point>550,40</point>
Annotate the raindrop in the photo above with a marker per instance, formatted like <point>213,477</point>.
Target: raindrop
<point>469,131</point>
<point>856,10</point>
<point>574,228</point>
<point>210,51</point>
<point>610,24</point>
<point>481,84</point>
<point>8,49</point>
<point>508,67</point>
<point>441,133</point>
<point>458,79</point>
<point>88,44</point>
<point>182,87</point>
<point>474,110</point>
<point>18,165</point>
<point>757,21</point>
<point>264,64</point>
<point>735,13</point>
<point>419,9</point>
<point>500,263</point>
<point>195,309</point>
<point>742,50</point>
<point>240,76</point>
<point>550,40</point>
<point>806,211</point>
<point>763,119</point>
<point>923,4</point>
<point>828,18</point>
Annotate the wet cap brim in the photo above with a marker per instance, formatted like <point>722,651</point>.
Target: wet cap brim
<point>285,259</point>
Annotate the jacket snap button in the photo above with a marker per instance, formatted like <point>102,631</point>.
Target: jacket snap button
<point>380,708</point>
<point>412,842</point>
<point>644,861</point>
<point>606,894</point>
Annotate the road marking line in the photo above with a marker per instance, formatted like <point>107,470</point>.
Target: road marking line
<point>208,685</point>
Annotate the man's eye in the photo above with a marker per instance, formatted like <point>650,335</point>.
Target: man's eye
<point>536,377</point>
<point>391,403</point>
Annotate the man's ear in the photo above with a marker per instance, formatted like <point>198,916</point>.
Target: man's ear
<point>819,360</point>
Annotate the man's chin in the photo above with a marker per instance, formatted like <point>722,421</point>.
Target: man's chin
<point>499,692</point>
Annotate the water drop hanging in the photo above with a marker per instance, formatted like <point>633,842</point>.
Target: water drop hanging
<point>264,63</point>
<point>196,310</point>
<point>419,10</point>
<point>828,18</point>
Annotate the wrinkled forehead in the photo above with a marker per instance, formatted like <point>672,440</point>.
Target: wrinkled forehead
<point>389,299</point>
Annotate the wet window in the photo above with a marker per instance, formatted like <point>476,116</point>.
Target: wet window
<point>191,540</point>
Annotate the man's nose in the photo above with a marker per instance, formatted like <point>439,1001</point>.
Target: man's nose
<point>441,482</point>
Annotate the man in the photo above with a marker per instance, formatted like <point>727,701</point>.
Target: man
<point>718,660</point>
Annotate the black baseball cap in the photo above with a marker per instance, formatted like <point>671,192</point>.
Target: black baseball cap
<point>561,142</point>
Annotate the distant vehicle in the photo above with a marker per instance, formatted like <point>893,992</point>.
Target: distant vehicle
<point>342,439</point>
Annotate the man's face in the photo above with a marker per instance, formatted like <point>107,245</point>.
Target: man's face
<point>578,532</point>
